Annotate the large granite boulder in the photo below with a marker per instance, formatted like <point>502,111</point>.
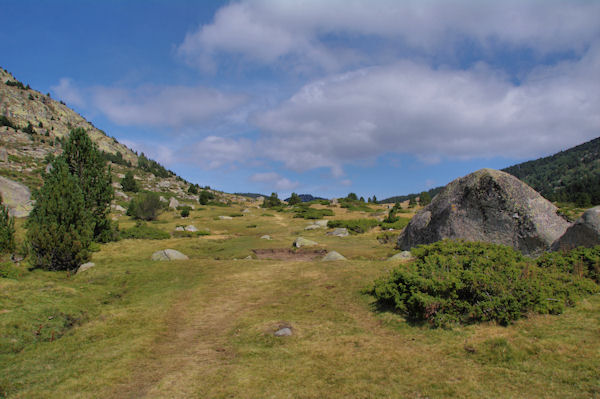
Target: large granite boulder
<point>16,197</point>
<point>489,206</point>
<point>168,254</point>
<point>584,232</point>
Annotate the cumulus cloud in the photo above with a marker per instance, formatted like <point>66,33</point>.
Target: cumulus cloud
<point>68,92</point>
<point>214,152</point>
<point>410,107</point>
<point>275,180</point>
<point>267,31</point>
<point>171,106</point>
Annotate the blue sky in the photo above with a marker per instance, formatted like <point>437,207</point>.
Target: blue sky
<point>379,98</point>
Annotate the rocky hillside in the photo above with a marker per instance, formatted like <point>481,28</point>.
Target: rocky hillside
<point>33,127</point>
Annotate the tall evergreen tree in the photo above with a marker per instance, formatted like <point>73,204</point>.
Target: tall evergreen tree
<point>7,229</point>
<point>128,182</point>
<point>60,227</point>
<point>86,163</point>
<point>294,199</point>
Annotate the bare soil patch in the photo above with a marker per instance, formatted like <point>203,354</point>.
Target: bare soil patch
<point>289,254</point>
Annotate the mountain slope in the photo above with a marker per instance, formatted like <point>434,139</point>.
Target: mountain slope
<point>572,175</point>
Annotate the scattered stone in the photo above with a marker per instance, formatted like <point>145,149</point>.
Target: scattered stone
<point>339,232</point>
<point>246,210</point>
<point>283,332</point>
<point>303,242</point>
<point>85,267</point>
<point>173,203</point>
<point>332,256</point>
<point>225,217</point>
<point>3,155</point>
<point>16,197</point>
<point>168,254</point>
<point>163,199</point>
<point>191,228</point>
<point>312,227</point>
<point>404,255</point>
<point>249,257</point>
<point>49,168</point>
<point>584,232</point>
<point>482,207</point>
<point>121,194</point>
<point>265,237</point>
<point>117,185</point>
<point>321,223</point>
<point>118,208</point>
<point>179,228</point>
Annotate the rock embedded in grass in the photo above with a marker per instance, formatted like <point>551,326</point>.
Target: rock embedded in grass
<point>303,242</point>
<point>168,254</point>
<point>85,267</point>
<point>283,332</point>
<point>339,232</point>
<point>333,256</point>
<point>404,255</point>
<point>173,203</point>
<point>585,232</point>
<point>265,237</point>
<point>312,227</point>
<point>225,217</point>
<point>191,228</point>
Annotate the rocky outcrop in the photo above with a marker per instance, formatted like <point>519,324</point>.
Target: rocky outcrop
<point>585,232</point>
<point>333,256</point>
<point>489,206</point>
<point>304,242</point>
<point>168,254</point>
<point>16,197</point>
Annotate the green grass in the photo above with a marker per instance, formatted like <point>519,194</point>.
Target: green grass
<point>130,327</point>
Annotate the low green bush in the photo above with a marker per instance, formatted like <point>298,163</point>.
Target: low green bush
<point>146,206</point>
<point>354,225</point>
<point>184,211</point>
<point>583,262</point>
<point>236,215</point>
<point>464,282</point>
<point>143,231</point>
<point>190,234</point>
<point>399,224</point>
<point>306,212</point>
<point>9,270</point>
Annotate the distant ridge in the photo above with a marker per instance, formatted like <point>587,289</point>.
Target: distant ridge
<point>307,198</point>
<point>251,195</point>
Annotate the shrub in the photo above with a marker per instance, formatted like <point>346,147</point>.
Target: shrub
<point>236,215</point>
<point>459,282</point>
<point>294,199</point>
<point>190,234</point>
<point>128,182</point>
<point>355,205</point>
<point>272,201</point>
<point>60,227</point>
<point>146,206</point>
<point>143,231</point>
<point>205,197</point>
<point>306,212</point>
<point>185,211</point>
<point>193,189</point>
<point>354,225</point>
<point>583,262</point>
<point>399,224</point>
<point>9,270</point>
<point>7,229</point>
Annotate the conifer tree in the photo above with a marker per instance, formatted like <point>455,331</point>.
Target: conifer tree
<point>60,227</point>
<point>86,163</point>
<point>128,182</point>
<point>7,229</point>
<point>294,199</point>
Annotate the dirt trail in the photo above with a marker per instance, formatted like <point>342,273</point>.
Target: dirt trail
<point>194,341</point>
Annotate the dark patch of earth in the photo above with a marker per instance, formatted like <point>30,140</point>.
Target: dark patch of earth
<point>289,254</point>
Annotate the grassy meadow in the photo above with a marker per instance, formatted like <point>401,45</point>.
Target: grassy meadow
<point>203,328</point>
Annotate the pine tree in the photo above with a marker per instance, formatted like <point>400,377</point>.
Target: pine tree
<point>60,227</point>
<point>86,163</point>
<point>7,229</point>
<point>294,199</point>
<point>128,182</point>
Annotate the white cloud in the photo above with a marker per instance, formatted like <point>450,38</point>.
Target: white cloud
<point>275,181</point>
<point>434,114</point>
<point>67,92</point>
<point>214,152</point>
<point>297,33</point>
<point>172,106</point>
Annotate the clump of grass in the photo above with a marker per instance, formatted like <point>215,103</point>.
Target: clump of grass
<point>236,215</point>
<point>357,226</point>
<point>190,234</point>
<point>143,231</point>
<point>397,225</point>
<point>304,211</point>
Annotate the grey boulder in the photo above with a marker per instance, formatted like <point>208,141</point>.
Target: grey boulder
<point>333,256</point>
<point>339,232</point>
<point>168,254</point>
<point>584,232</point>
<point>303,242</point>
<point>85,267</point>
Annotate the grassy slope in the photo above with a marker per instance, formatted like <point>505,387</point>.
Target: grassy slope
<point>203,328</point>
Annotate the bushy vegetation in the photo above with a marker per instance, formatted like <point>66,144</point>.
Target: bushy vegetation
<point>294,199</point>
<point>582,262</point>
<point>185,211</point>
<point>353,204</point>
<point>146,206</point>
<point>60,227</point>
<point>354,225</point>
<point>128,183</point>
<point>143,231</point>
<point>7,229</point>
<point>116,158</point>
<point>399,224</point>
<point>205,197</point>
<point>458,282</point>
<point>153,167</point>
<point>304,211</point>
<point>17,84</point>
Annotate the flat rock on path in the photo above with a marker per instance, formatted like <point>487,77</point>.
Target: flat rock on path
<point>168,254</point>
<point>584,232</point>
<point>489,206</point>
<point>16,197</point>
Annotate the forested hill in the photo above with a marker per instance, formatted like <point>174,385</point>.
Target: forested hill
<point>572,175</point>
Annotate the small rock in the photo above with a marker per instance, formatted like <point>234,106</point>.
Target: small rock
<point>321,223</point>
<point>249,257</point>
<point>85,267</point>
<point>173,203</point>
<point>225,217</point>
<point>283,332</point>
<point>191,228</point>
<point>312,227</point>
<point>49,168</point>
<point>121,194</point>
<point>339,232</point>
<point>168,254</point>
<point>332,256</point>
<point>118,208</point>
<point>246,210</point>
<point>404,255</point>
<point>303,242</point>
<point>179,228</point>
<point>163,199</point>
<point>266,237</point>
<point>3,155</point>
